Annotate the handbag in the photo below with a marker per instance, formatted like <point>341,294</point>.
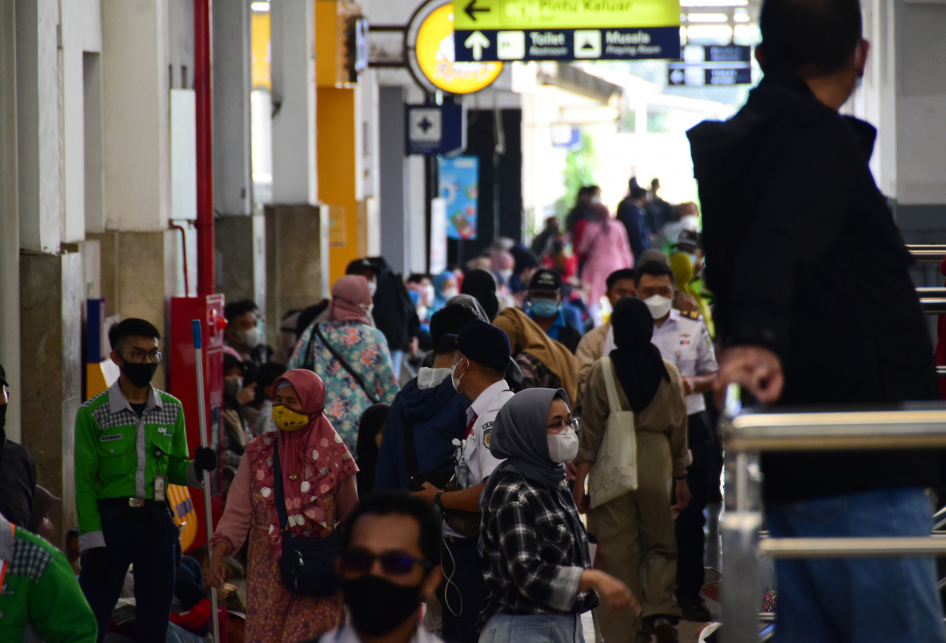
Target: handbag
<point>465,523</point>
<point>341,360</point>
<point>615,470</point>
<point>307,565</point>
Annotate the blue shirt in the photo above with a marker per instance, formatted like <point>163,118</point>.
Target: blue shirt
<point>556,326</point>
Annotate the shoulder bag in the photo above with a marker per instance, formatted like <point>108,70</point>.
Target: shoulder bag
<point>341,360</point>
<point>465,523</point>
<point>307,565</point>
<point>614,472</point>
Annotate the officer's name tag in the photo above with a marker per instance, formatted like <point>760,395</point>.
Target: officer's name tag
<point>110,438</point>
<point>159,488</point>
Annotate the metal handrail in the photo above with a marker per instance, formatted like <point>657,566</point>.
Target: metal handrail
<point>927,253</point>
<point>746,434</point>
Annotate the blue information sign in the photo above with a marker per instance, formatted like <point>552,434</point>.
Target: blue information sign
<point>460,189</point>
<point>567,44</point>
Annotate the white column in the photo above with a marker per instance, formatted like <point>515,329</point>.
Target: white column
<point>293,71</point>
<point>9,222</point>
<point>231,105</point>
<point>136,115</point>
<point>38,125</point>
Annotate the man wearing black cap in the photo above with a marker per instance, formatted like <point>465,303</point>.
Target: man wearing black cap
<point>482,354</point>
<point>17,469</point>
<point>545,309</point>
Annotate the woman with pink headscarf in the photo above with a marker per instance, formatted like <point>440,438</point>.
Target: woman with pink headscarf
<point>350,355</point>
<point>605,248</point>
<point>318,480</point>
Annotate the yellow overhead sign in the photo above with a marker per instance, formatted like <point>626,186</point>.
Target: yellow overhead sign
<point>565,14</point>
<point>437,61</point>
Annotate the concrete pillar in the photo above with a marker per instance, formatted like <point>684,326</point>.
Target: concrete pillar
<point>9,219</point>
<point>139,252</point>
<point>393,179</point>
<point>297,260</point>
<point>294,99</point>
<point>241,258</point>
<point>51,287</point>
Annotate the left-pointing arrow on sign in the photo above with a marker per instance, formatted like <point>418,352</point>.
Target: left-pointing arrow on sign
<point>471,10</point>
<point>477,41</point>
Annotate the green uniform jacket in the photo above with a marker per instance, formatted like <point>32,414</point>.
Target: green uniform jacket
<point>40,599</point>
<point>118,454</point>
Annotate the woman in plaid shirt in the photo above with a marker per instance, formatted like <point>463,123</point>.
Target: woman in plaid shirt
<point>533,543</point>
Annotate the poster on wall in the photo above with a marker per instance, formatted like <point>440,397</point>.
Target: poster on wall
<point>460,190</point>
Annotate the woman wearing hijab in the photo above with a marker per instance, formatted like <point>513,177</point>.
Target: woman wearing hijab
<point>350,356</point>
<point>543,361</point>
<point>604,248</point>
<point>481,285</point>
<point>318,480</point>
<point>445,287</point>
<point>535,549</point>
<point>635,529</point>
<point>373,422</point>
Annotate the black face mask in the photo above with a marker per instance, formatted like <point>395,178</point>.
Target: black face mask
<point>139,374</point>
<point>378,605</point>
<point>3,424</point>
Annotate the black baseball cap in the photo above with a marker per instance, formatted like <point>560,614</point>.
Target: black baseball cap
<point>481,343</point>
<point>546,281</point>
<point>688,241</point>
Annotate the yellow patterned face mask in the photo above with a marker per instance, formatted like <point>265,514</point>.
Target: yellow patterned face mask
<point>288,420</point>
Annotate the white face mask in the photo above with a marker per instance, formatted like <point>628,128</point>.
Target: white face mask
<point>563,447</point>
<point>455,380</point>
<point>372,287</point>
<point>429,294</point>
<point>450,293</point>
<point>658,305</point>
<point>248,337</point>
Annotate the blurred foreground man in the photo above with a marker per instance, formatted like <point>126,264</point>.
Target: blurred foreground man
<point>391,561</point>
<point>790,213</point>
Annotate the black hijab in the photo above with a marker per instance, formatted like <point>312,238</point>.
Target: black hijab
<point>637,361</point>
<point>481,285</point>
<point>366,450</point>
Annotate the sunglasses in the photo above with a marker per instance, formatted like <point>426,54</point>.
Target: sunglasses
<point>393,564</point>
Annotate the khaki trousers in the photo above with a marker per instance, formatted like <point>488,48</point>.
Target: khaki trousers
<point>636,541</point>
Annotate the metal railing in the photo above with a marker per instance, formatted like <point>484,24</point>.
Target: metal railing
<point>927,253</point>
<point>932,300</point>
<point>746,434</point>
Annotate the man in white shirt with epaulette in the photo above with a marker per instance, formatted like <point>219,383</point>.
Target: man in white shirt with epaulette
<point>479,368</point>
<point>682,339</point>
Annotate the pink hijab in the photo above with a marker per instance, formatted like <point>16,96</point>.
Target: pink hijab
<point>349,294</point>
<point>314,460</point>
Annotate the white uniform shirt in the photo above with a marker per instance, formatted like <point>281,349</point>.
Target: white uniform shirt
<point>476,451</point>
<point>684,341</point>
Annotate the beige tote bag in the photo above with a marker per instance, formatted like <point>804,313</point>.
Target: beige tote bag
<point>615,470</point>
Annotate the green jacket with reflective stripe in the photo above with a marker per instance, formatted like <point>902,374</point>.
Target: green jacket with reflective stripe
<point>118,454</point>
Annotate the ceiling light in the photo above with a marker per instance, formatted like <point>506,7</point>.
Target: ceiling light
<point>709,32</point>
<point>714,3</point>
<point>707,17</point>
<point>261,7</point>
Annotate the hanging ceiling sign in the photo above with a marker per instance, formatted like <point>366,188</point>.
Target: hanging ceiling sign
<point>432,57</point>
<point>567,29</point>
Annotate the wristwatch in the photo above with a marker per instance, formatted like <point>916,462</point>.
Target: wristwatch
<point>437,500</point>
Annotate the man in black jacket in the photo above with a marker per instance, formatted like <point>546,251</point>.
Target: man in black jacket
<point>815,306</point>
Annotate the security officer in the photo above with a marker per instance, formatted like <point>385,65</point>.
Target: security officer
<point>547,309</point>
<point>129,444</point>
<point>479,368</point>
<point>682,339</point>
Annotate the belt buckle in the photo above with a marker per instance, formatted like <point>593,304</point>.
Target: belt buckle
<point>136,502</point>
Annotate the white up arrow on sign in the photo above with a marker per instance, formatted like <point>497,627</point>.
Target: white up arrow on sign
<point>677,76</point>
<point>476,42</point>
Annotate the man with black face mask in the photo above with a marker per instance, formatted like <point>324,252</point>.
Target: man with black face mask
<point>391,561</point>
<point>17,469</point>
<point>130,443</point>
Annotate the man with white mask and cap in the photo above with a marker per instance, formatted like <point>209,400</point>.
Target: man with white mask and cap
<point>683,341</point>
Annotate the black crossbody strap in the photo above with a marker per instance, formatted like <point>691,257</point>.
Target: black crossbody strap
<point>277,488</point>
<point>341,360</point>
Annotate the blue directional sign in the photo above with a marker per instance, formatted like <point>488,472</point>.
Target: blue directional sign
<point>435,129</point>
<point>567,44</point>
<point>698,75</point>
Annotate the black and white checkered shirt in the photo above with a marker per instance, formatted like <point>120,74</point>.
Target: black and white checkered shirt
<point>534,548</point>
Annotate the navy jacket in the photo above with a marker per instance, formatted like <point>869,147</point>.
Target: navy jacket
<point>439,416</point>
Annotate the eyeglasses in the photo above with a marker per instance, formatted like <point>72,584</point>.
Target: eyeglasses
<point>573,423</point>
<point>137,356</point>
<point>393,564</point>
